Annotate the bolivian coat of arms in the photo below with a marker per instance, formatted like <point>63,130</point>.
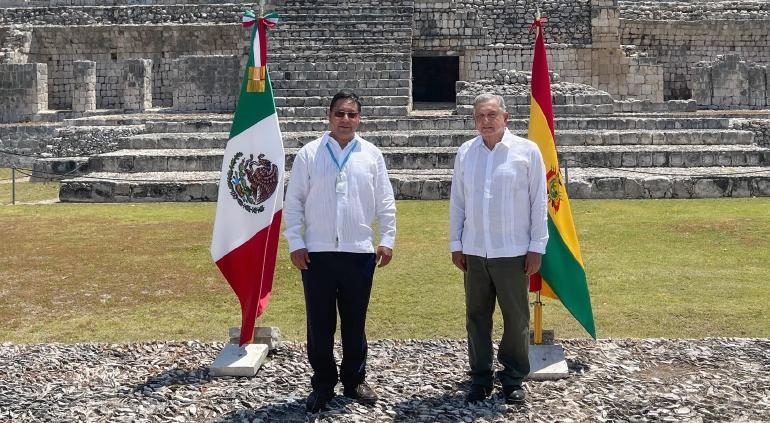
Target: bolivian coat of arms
<point>555,187</point>
<point>252,181</point>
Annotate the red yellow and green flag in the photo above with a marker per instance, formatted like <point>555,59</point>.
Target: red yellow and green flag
<point>562,274</point>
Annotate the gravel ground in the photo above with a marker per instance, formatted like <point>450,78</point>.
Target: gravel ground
<point>634,380</point>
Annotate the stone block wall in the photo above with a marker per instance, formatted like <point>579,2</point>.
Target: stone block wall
<point>84,86</point>
<point>23,91</point>
<point>582,36</point>
<point>15,44</point>
<point>108,46</point>
<point>25,141</point>
<point>210,83</point>
<point>730,82</point>
<point>467,23</point>
<point>608,70</point>
<point>136,84</point>
<point>56,3</point>
<point>680,45</point>
<point>645,79</point>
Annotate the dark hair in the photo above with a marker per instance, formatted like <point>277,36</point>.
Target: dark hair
<point>345,95</point>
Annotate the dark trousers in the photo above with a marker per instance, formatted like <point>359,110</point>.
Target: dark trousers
<point>337,281</point>
<point>503,279</point>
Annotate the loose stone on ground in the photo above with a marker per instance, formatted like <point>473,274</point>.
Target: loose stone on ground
<point>716,379</point>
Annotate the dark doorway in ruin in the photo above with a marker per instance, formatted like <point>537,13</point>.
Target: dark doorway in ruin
<point>434,78</point>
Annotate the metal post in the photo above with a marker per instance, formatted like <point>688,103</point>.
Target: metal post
<point>13,185</point>
<point>538,321</point>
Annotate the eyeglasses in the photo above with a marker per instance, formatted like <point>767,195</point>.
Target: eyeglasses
<point>490,116</point>
<point>340,114</point>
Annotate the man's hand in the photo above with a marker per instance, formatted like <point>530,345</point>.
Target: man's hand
<point>300,258</point>
<point>384,254</point>
<point>532,262</point>
<point>458,258</point>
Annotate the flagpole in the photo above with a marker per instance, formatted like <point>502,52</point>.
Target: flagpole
<point>538,308</point>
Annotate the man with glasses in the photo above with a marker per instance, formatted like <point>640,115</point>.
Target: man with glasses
<point>338,187</point>
<point>497,234</point>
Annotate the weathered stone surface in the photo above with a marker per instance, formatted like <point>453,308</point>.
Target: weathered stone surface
<point>609,380</point>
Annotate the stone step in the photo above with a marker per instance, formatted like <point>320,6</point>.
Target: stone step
<point>341,52</point>
<point>373,123</point>
<point>655,137</point>
<point>559,110</point>
<point>278,76</point>
<point>309,101</point>
<point>620,122</point>
<point>210,159</point>
<point>220,122</point>
<point>278,57</point>
<point>323,111</point>
<point>354,31</point>
<point>169,12</point>
<point>661,156</point>
<point>339,12</point>
<point>197,126</point>
<point>585,183</point>
<point>355,21</point>
<point>465,102</point>
<point>345,43</point>
<point>105,187</point>
<point>672,182</point>
<point>179,140</point>
<point>423,138</point>
<point>328,93</point>
<point>623,183</point>
<point>350,84</point>
<point>328,66</point>
<point>699,128</point>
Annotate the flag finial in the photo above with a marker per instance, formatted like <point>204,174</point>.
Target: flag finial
<point>257,70</point>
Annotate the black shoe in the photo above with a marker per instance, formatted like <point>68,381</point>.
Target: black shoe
<point>513,394</point>
<point>477,393</point>
<point>362,393</point>
<point>317,400</point>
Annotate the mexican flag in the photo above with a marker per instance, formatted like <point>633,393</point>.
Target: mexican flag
<point>562,274</point>
<point>250,200</point>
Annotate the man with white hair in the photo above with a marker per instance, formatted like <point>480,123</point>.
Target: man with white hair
<point>497,234</point>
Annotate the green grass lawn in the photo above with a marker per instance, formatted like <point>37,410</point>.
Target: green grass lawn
<point>129,272</point>
<point>26,192</point>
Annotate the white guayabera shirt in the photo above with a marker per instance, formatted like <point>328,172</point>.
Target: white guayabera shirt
<point>498,202</point>
<point>328,209</point>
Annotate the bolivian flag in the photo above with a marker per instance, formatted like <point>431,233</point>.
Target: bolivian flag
<point>250,201</point>
<point>562,272</point>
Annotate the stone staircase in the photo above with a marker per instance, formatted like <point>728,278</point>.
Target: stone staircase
<point>360,46</point>
<point>321,47</point>
<point>618,156</point>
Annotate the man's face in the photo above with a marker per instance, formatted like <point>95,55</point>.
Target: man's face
<point>490,120</point>
<point>344,119</point>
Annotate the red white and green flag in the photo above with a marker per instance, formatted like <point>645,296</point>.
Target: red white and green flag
<point>250,201</point>
<point>562,274</point>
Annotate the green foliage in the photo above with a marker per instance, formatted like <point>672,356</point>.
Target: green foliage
<point>129,272</point>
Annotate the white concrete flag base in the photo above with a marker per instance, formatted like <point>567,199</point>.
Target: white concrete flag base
<point>547,362</point>
<point>235,360</point>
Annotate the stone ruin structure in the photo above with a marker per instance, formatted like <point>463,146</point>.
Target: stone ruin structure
<point>131,100</point>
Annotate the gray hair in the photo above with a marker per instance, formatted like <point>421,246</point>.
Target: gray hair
<point>485,97</point>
